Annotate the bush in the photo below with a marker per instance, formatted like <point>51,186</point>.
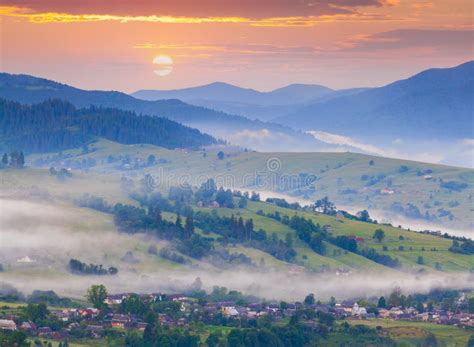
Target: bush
<point>167,254</point>
<point>453,185</point>
<point>466,247</point>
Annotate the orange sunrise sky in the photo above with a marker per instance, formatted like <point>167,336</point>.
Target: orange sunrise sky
<point>258,44</point>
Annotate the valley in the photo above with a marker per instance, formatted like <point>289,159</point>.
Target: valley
<point>220,173</point>
<point>53,206</point>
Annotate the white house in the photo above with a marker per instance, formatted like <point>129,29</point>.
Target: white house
<point>358,311</point>
<point>7,324</point>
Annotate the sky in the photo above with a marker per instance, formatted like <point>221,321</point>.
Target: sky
<point>261,44</point>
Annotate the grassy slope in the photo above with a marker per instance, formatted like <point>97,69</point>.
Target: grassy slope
<point>450,261</point>
<point>336,172</point>
<point>107,186</point>
<point>312,260</point>
<point>413,333</point>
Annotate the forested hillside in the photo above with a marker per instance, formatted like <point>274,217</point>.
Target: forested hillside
<point>56,125</point>
<point>28,89</point>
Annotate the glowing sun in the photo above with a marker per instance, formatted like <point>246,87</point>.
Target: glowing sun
<point>164,65</point>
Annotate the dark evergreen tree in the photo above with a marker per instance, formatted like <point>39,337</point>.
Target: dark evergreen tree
<point>178,223</point>
<point>158,217</point>
<point>248,229</point>
<point>243,202</point>
<point>188,227</point>
<point>20,161</point>
<point>309,299</point>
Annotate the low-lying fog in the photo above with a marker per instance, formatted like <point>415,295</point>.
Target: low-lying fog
<point>269,285</point>
<point>50,235</point>
<point>455,152</point>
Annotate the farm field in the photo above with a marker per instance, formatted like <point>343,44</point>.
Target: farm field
<point>413,333</point>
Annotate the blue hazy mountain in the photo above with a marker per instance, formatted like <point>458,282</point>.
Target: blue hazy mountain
<point>242,101</point>
<point>434,103</point>
<point>240,130</point>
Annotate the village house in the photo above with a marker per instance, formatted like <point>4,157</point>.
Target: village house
<point>387,191</point>
<point>395,312</point>
<point>73,326</point>
<point>141,326</point>
<point>25,259</point>
<point>229,311</point>
<point>28,327</point>
<point>165,320</point>
<point>116,299</point>
<point>71,312</point>
<point>7,324</point>
<point>384,313</point>
<point>342,272</point>
<point>252,314</point>
<point>62,316</point>
<point>346,307</point>
<point>404,316</point>
<point>464,317</point>
<point>155,297</point>
<point>120,321</point>
<point>178,297</point>
<point>214,204</point>
<point>321,308</point>
<point>44,331</point>
<point>340,312</point>
<point>470,322</point>
<point>422,317</point>
<point>90,312</point>
<point>95,331</point>
<point>272,308</point>
<point>357,239</point>
<point>290,309</point>
<point>358,311</point>
<point>86,322</point>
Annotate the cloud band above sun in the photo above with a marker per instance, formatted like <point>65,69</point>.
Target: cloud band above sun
<point>250,9</point>
<point>312,20</point>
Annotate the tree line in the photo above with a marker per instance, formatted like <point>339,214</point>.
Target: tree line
<point>55,125</point>
<point>15,160</point>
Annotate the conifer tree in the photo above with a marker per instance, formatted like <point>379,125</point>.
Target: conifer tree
<point>178,222</point>
<point>188,227</point>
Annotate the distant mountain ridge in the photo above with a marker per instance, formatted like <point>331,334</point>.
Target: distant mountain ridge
<point>433,103</point>
<point>242,101</point>
<point>437,101</point>
<point>224,92</point>
<point>28,90</point>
